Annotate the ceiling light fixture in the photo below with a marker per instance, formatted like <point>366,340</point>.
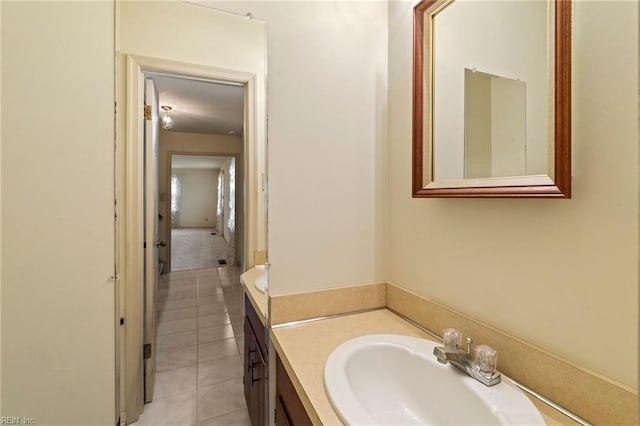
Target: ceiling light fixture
<point>167,123</point>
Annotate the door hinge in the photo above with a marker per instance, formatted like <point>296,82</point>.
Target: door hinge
<point>147,112</point>
<point>121,321</point>
<point>146,350</point>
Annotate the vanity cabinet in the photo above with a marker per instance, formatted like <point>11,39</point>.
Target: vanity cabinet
<point>255,366</point>
<point>289,408</point>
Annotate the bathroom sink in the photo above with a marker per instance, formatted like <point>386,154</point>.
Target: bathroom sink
<point>258,276</point>
<point>262,281</point>
<point>390,379</point>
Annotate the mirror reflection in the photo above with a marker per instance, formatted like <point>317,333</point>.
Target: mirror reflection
<point>494,126</point>
<point>491,99</point>
<point>507,39</point>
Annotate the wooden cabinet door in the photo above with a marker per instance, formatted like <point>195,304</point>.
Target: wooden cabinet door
<point>282,418</point>
<point>289,408</point>
<point>255,377</point>
<point>259,391</point>
<point>249,347</point>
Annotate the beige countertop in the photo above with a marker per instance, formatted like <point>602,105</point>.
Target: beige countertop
<point>257,298</point>
<point>305,348</point>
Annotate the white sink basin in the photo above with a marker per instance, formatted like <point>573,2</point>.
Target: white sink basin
<point>387,379</point>
<point>258,277</point>
<point>262,281</point>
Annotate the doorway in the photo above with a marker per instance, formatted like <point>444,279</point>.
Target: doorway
<point>202,140</point>
<point>203,198</point>
<point>191,119</point>
<point>243,147</point>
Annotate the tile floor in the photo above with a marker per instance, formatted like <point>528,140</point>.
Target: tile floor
<point>196,248</point>
<point>198,361</point>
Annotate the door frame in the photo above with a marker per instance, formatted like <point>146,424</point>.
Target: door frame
<point>130,207</point>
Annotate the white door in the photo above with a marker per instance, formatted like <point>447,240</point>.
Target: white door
<point>150,234</point>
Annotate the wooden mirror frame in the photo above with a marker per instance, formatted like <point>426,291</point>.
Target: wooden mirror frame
<point>560,185</point>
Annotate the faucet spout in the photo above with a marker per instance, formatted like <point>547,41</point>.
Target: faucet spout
<point>456,357</point>
<point>464,362</point>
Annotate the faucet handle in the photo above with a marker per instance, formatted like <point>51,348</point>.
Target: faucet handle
<point>486,360</point>
<point>451,338</point>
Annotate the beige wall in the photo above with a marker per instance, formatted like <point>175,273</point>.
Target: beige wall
<point>57,212</point>
<point>561,274</point>
<point>199,197</point>
<point>327,91</point>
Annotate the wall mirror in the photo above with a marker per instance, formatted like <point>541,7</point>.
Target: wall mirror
<point>492,98</point>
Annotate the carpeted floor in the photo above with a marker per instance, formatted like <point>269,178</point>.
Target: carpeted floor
<point>197,248</point>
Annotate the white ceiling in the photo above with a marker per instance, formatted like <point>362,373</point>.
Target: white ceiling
<point>197,162</point>
<point>201,106</point>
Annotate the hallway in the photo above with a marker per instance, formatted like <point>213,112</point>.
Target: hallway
<point>198,362</point>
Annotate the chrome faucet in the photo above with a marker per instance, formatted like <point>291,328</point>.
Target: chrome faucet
<point>481,368</point>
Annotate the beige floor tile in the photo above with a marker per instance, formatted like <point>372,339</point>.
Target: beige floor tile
<point>177,381</point>
<point>177,357</point>
<point>181,283</point>
<point>168,283</point>
<point>176,304</point>
<point>215,308</point>
<point>209,291</point>
<point>164,296</point>
<point>209,300</point>
<point>176,293</point>
<point>168,327</point>
<point>208,285</point>
<point>211,334</point>
<point>229,276</point>
<point>224,398</point>
<point>185,338</point>
<point>236,310</point>
<point>241,349</point>
<point>238,332</point>
<point>213,368</point>
<point>237,418</point>
<point>213,320</point>
<point>209,277</point>
<point>206,271</point>
<point>177,410</point>
<point>234,301</point>
<point>178,314</point>
<point>183,275</point>
<point>220,370</point>
<point>216,350</point>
